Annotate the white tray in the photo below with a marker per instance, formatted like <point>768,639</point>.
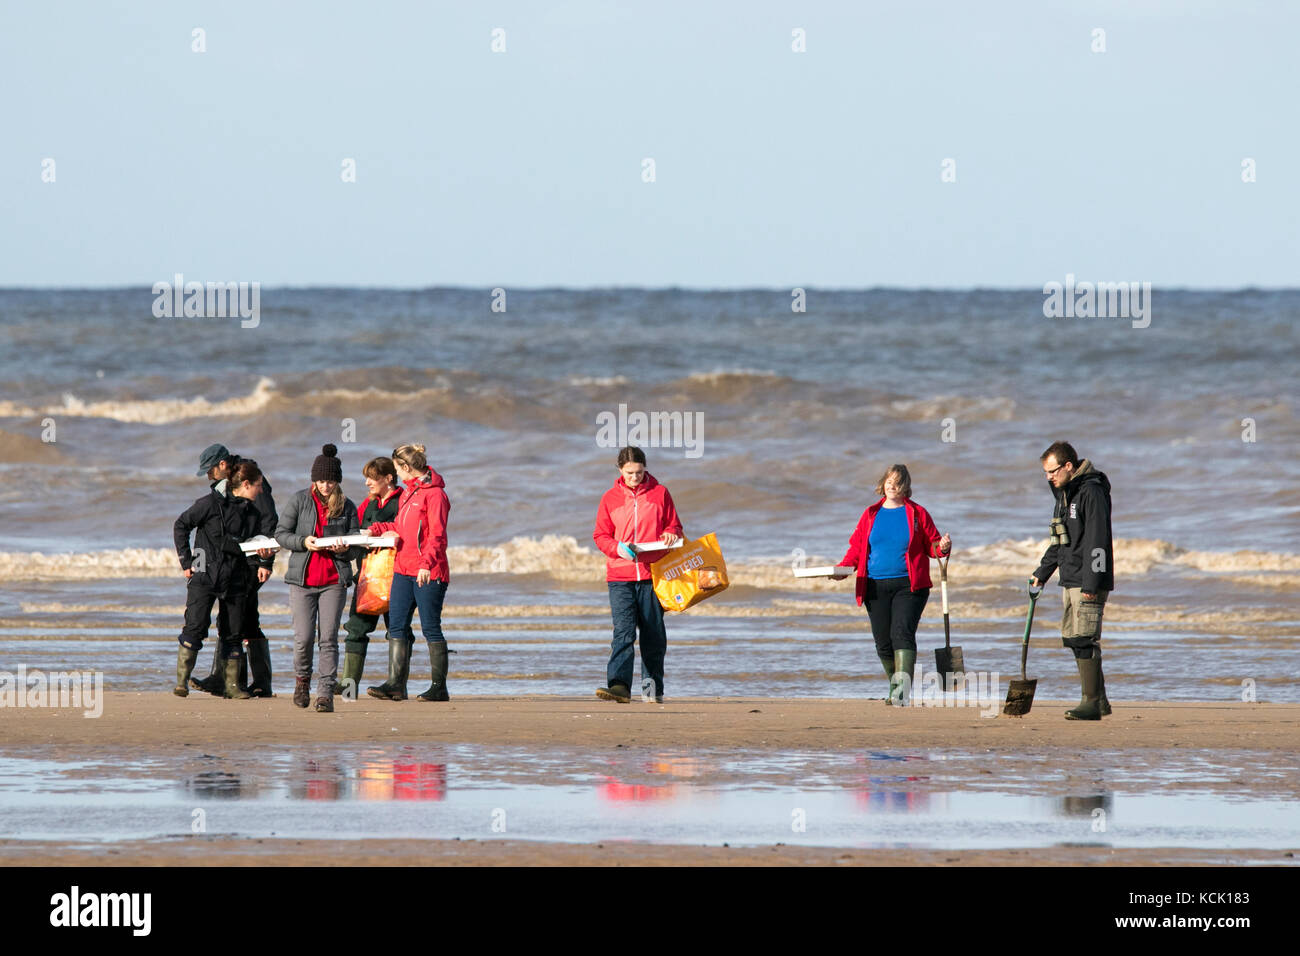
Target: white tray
<point>825,571</point>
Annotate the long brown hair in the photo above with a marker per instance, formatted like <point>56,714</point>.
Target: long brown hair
<point>904,480</point>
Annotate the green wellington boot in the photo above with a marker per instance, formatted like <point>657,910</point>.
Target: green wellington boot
<point>354,664</point>
<point>900,683</point>
<point>399,668</point>
<point>233,690</point>
<point>1090,680</point>
<point>186,658</point>
<point>438,662</point>
<point>887,661</point>
<point>1101,677</point>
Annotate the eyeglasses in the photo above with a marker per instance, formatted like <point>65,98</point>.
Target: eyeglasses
<point>1053,471</point>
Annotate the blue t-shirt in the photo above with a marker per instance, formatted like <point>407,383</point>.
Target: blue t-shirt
<point>888,541</point>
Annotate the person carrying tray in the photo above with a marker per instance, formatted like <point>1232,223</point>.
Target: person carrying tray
<point>637,508</point>
<point>420,574</point>
<point>318,578</point>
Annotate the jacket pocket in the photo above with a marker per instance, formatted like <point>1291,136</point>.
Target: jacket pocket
<point>1087,618</point>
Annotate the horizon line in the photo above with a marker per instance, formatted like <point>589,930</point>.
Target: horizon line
<point>289,287</point>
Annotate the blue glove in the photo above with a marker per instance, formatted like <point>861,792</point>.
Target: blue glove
<point>625,552</point>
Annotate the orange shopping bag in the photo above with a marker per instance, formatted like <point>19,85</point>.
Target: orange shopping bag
<point>690,574</point>
<point>376,581</point>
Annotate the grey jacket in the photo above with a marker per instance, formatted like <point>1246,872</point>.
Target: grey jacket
<point>298,522</point>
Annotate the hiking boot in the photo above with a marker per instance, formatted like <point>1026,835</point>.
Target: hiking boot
<point>900,684</point>
<point>615,692</point>
<point>648,694</point>
<point>259,664</point>
<point>354,664</point>
<point>301,691</point>
<point>887,661</point>
<point>438,663</point>
<point>399,668</point>
<point>324,705</point>
<point>1090,679</point>
<point>185,660</point>
<point>233,690</point>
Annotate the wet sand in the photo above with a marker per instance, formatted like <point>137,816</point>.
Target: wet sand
<point>1254,743</point>
<point>155,721</point>
<point>217,851</point>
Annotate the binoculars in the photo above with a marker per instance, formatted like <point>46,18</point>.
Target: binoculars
<point>1059,534</point>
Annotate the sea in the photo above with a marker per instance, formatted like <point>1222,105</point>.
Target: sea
<point>769,414</point>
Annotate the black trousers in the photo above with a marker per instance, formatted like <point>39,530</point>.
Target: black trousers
<point>250,619</point>
<point>895,611</point>
<point>199,599</point>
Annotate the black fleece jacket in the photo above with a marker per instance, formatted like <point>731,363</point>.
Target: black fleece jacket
<point>1088,561</point>
<point>219,524</point>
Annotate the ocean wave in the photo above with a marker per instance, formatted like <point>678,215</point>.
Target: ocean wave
<point>562,558</point>
<point>959,407</point>
<point>162,411</point>
<point>588,381</point>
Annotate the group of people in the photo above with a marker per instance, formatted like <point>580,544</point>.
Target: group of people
<point>238,507</point>
<point>889,551</point>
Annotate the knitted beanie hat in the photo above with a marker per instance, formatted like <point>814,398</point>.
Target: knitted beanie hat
<point>327,467</point>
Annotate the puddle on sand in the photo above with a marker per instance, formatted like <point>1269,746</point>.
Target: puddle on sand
<point>870,799</point>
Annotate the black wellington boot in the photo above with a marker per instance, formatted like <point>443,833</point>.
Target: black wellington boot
<point>259,664</point>
<point>438,662</point>
<point>215,682</point>
<point>399,668</point>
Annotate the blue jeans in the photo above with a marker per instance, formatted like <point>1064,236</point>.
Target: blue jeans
<point>633,605</point>
<point>405,597</point>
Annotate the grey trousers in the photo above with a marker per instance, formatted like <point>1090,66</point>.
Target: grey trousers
<point>316,616</point>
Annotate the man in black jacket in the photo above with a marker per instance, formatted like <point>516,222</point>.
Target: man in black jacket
<point>1081,549</point>
<point>215,569</point>
<point>217,463</point>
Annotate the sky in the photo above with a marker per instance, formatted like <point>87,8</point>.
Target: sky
<point>526,166</point>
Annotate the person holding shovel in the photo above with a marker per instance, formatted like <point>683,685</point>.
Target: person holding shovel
<point>637,508</point>
<point>1080,548</point>
<point>891,549</point>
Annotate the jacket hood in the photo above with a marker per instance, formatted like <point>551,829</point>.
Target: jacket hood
<point>1085,474</point>
<point>435,481</point>
<point>647,483</point>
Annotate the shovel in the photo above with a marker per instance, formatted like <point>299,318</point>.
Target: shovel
<point>948,660</point>
<point>1020,695</point>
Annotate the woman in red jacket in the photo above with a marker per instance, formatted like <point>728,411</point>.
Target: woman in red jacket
<point>891,550</point>
<point>420,574</point>
<point>637,508</point>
